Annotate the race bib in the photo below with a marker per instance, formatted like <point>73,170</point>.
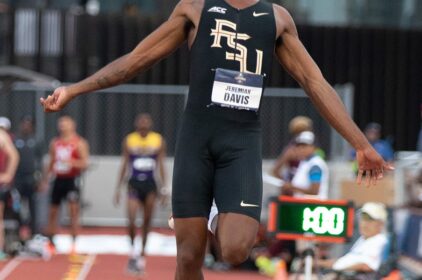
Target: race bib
<point>233,89</point>
<point>62,167</point>
<point>144,164</point>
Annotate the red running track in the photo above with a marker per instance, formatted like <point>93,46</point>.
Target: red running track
<point>102,267</point>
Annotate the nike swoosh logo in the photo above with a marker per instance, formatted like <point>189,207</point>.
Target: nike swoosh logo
<point>243,204</point>
<point>255,14</point>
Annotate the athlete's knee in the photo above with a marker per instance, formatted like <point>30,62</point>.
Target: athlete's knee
<point>189,258</point>
<point>235,253</point>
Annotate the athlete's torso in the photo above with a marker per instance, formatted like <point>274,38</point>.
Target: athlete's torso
<point>64,152</point>
<point>143,154</point>
<point>241,40</point>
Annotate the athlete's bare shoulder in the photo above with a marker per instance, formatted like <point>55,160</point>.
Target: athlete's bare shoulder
<point>191,9</point>
<point>284,21</point>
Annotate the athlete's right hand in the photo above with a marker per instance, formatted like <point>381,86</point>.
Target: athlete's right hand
<point>116,199</point>
<point>56,101</point>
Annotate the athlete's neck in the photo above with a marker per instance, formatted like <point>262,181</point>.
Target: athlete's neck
<point>143,133</point>
<point>67,136</point>
<point>241,4</point>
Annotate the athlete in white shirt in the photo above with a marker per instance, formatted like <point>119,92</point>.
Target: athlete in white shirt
<point>366,255</point>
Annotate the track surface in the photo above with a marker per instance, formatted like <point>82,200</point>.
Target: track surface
<point>103,266</point>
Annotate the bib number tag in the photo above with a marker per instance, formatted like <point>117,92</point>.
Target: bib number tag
<point>237,90</point>
<point>144,164</point>
<point>62,167</point>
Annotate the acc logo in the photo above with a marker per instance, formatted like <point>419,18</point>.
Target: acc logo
<point>323,220</point>
<point>217,10</point>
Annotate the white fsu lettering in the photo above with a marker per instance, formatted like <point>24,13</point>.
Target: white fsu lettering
<point>242,56</point>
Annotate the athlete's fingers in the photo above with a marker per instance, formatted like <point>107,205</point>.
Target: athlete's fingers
<point>360,176</point>
<point>388,166</point>
<point>367,178</point>
<point>374,177</point>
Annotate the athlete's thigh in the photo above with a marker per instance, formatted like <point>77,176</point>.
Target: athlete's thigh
<point>229,235</point>
<point>193,171</point>
<point>148,205</point>
<point>133,205</point>
<point>238,175</point>
<point>73,194</point>
<point>58,192</point>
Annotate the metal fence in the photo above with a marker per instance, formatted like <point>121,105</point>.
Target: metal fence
<point>105,117</point>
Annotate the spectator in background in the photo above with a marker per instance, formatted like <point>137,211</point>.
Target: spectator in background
<point>288,159</point>
<point>69,155</point>
<point>28,173</point>
<point>366,255</point>
<point>9,159</point>
<point>311,177</point>
<point>383,147</point>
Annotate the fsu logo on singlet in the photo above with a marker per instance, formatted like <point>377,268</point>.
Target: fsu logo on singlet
<point>227,29</point>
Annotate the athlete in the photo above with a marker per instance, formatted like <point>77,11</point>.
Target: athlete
<point>9,160</point>
<point>143,154</point>
<point>68,154</point>
<point>218,151</point>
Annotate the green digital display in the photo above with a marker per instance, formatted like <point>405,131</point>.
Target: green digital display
<point>312,219</point>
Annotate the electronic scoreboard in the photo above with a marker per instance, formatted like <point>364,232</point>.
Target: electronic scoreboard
<point>311,219</point>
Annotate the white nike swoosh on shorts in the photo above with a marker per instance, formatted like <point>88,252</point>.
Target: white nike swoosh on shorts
<point>243,204</point>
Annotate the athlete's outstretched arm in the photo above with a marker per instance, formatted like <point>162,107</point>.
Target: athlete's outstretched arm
<point>296,60</point>
<point>159,44</point>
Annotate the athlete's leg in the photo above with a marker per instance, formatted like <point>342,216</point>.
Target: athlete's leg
<point>74,218</point>
<point>57,194</point>
<point>238,189</point>
<point>193,177</point>
<point>191,238</point>
<point>236,245</point>
<point>132,208</point>
<point>52,221</point>
<point>148,206</point>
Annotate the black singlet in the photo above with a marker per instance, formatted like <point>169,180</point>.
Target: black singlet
<point>241,40</point>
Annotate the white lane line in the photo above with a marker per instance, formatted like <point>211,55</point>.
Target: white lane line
<point>8,268</point>
<point>86,267</point>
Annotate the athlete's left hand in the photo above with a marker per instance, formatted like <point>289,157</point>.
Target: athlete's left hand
<point>56,101</point>
<point>163,196</point>
<point>371,166</point>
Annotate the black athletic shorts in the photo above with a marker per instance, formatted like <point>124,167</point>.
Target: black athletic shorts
<point>141,189</point>
<point>217,158</point>
<point>65,189</point>
<point>4,191</point>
